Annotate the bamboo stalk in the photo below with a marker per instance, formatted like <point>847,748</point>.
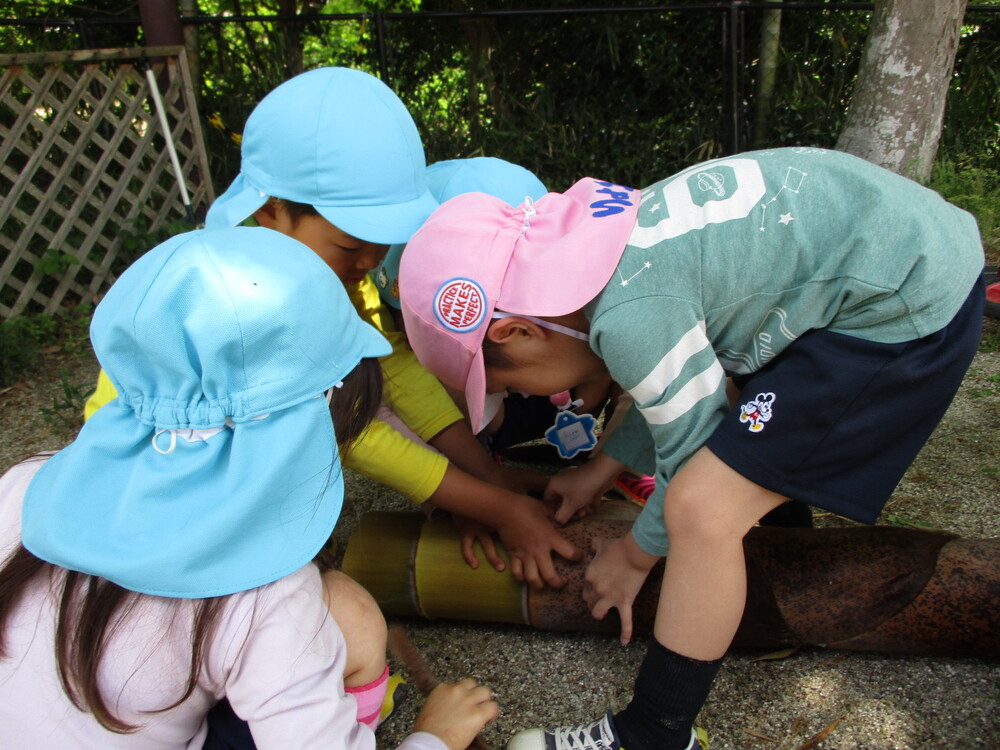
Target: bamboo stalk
<point>885,589</point>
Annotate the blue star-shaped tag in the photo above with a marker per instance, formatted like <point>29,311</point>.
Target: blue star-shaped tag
<point>572,433</point>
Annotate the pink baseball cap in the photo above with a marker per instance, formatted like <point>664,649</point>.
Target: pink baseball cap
<point>477,254</point>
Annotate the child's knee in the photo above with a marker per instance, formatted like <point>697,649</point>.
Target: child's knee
<point>361,620</point>
<point>690,512</point>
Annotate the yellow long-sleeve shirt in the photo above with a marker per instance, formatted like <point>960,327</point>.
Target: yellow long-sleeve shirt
<point>382,453</point>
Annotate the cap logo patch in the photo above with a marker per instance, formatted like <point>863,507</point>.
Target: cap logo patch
<point>460,305</point>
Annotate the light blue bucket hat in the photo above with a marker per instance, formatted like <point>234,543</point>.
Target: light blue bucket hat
<point>341,141</point>
<point>216,469</point>
<point>446,179</point>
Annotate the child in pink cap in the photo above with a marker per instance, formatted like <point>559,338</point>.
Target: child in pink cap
<point>843,302</point>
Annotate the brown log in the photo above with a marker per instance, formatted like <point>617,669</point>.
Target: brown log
<point>885,589</point>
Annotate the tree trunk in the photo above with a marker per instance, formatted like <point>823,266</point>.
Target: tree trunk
<point>767,65</point>
<point>897,108</point>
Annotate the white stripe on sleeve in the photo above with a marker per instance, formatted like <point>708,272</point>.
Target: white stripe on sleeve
<point>669,368</point>
<point>702,385</point>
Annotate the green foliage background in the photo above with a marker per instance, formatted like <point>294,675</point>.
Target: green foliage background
<point>631,95</point>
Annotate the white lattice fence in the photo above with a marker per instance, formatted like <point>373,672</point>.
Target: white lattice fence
<point>84,164</point>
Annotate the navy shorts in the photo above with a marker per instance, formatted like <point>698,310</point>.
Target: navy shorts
<point>835,421</point>
<point>226,730</point>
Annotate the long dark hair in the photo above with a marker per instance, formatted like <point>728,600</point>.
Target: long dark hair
<point>91,609</point>
<point>354,404</point>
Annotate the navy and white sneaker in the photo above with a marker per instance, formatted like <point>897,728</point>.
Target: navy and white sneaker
<point>598,735</point>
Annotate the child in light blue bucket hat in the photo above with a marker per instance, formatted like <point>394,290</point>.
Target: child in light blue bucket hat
<point>338,140</point>
<point>166,553</point>
<point>332,158</point>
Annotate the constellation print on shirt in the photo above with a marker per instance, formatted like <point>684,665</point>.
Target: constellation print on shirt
<point>793,183</point>
<point>624,281</point>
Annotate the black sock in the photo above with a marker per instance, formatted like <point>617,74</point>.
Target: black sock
<point>669,692</point>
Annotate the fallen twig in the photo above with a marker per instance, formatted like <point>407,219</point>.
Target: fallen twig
<point>420,674</point>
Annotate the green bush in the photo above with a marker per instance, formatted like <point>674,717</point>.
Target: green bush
<point>24,337</point>
<point>977,190</point>
<point>21,340</point>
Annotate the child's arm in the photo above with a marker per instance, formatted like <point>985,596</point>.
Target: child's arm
<point>466,452</point>
<point>103,393</point>
<point>385,455</point>
<point>521,522</point>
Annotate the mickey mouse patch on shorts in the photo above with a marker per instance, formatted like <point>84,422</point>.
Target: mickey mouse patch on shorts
<point>758,411</point>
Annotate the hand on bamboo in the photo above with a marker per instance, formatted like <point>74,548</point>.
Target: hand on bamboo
<point>456,712</point>
<point>531,540</point>
<point>473,531</point>
<point>614,578</point>
<point>579,490</point>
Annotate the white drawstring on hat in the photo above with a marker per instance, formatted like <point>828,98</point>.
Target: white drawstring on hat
<point>193,435</point>
<point>201,435</point>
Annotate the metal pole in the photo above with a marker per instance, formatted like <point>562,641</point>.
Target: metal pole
<point>731,104</point>
<point>383,62</point>
<point>168,137</point>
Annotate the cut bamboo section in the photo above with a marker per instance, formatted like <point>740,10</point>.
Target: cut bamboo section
<point>381,552</point>
<point>444,588</point>
<point>877,588</point>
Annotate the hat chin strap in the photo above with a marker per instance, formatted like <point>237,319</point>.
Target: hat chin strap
<point>497,315</point>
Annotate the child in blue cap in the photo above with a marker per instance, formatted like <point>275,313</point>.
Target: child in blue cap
<point>843,300</point>
<point>161,562</point>
<point>333,159</point>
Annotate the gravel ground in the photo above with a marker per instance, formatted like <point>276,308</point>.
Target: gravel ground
<point>856,700</point>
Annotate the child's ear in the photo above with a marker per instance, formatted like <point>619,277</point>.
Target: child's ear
<point>267,215</point>
<point>507,330</point>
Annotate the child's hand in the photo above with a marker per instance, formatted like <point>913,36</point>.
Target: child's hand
<point>614,578</point>
<point>580,490</point>
<point>456,712</point>
<point>530,540</point>
<point>473,531</point>
<point>522,481</point>
<point>573,491</point>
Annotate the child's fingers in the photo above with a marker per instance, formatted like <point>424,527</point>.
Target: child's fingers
<point>531,574</point>
<point>565,548</point>
<point>548,573</point>
<point>625,613</point>
<point>517,568</point>
<point>564,512</point>
<point>490,550</point>
<point>469,551</point>
<point>600,607</point>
